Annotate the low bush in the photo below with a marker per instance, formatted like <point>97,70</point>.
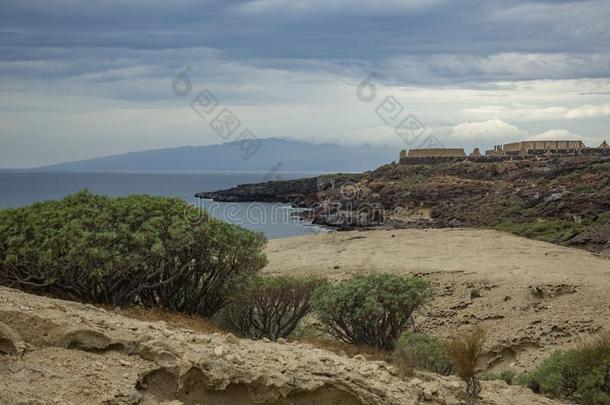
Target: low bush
<point>271,307</point>
<point>372,310</point>
<point>464,350</point>
<point>419,351</point>
<point>602,166</point>
<point>548,231</point>
<point>508,376</point>
<point>581,375</point>
<point>604,218</point>
<point>585,188</point>
<point>152,251</point>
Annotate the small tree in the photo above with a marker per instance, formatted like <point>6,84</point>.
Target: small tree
<point>153,251</point>
<point>271,307</point>
<point>465,349</point>
<point>372,310</point>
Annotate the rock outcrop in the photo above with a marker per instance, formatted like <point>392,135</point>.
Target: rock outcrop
<point>58,352</point>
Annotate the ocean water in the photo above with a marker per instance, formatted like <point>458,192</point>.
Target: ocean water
<point>20,188</point>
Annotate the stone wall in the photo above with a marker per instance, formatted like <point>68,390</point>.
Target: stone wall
<point>515,150</point>
<point>437,153</point>
<point>526,148</point>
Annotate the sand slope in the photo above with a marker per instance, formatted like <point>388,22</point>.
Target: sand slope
<point>531,296</point>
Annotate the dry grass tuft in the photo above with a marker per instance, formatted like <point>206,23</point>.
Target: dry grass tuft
<point>464,350</point>
<point>342,348</point>
<point>174,319</point>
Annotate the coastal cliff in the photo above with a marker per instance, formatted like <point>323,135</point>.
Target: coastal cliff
<point>563,200</point>
<point>299,192</point>
<point>285,191</point>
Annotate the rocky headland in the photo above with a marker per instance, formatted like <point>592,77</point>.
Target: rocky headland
<point>559,200</point>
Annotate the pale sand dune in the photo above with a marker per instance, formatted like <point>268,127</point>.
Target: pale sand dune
<point>535,296</point>
<point>488,253</point>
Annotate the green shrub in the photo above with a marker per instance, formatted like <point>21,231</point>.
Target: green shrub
<point>271,307</point>
<point>602,166</point>
<point>419,351</point>
<point>584,188</point>
<point>548,231</point>
<point>604,218</point>
<point>464,350</point>
<point>580,375</point>
<point>508,376</point>
<point>145,250</point>
<point>372,310</point>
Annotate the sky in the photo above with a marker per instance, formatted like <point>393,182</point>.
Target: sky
<point>82,79</point>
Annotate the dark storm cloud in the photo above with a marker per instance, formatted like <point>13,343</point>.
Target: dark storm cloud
<point>82,78</point>
<point>349,29</point>
<point>326,29</point>
<point>405,41</point>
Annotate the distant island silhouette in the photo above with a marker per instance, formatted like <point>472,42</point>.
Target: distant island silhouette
<point>271,155</point>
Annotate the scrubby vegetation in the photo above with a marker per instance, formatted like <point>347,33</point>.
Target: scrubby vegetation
<point>464,350</point>
<point>581,375</point>
<point>372,310</point>
<point>508,376</point>
<point>419,351</point>
<point>152,251</point>
<point>548,231</point>
<point>268,306</point>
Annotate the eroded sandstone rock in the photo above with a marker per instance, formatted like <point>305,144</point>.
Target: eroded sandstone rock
<point>10,341</point>
<point>84,358</point>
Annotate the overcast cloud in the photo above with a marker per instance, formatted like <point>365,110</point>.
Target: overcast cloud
<point>81,79</point>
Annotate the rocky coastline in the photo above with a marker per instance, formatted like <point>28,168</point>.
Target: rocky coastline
<point>563,200</point>
<point>322,200</point>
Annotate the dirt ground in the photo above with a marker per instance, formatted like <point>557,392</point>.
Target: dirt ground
<point>532,297</point>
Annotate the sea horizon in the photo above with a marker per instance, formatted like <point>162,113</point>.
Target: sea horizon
<point>19,188</point>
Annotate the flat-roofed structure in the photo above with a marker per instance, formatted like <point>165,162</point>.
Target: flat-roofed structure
<point>537,148</point>
<point>509,151</point>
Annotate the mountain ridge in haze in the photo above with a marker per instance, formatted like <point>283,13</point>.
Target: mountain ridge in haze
<point>274,154</point>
